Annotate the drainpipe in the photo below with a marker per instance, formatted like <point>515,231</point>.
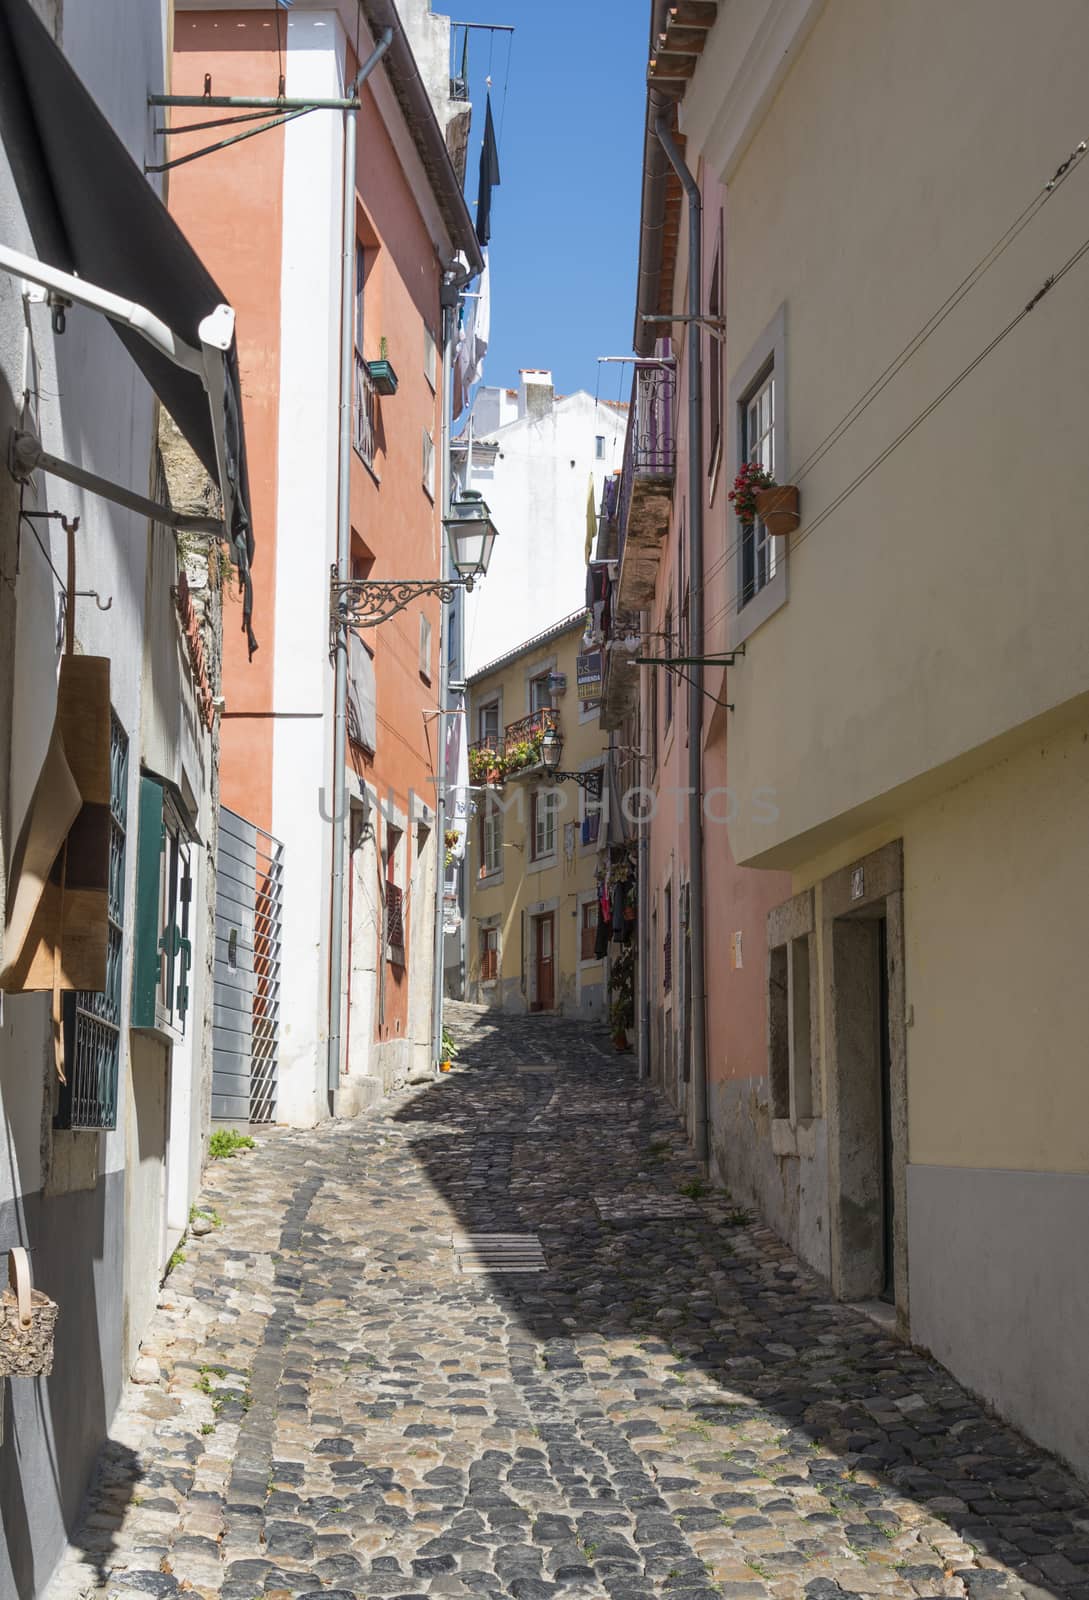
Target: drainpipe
<point>344,567</point>
<point>642,901</point>
<point>693,344</point>
<point>454,283</point>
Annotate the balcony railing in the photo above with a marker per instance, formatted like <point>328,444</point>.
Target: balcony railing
<point>364,411</point>
<point>650,448</point>
<point>492,758</point>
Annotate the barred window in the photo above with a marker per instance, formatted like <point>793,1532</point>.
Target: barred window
<point>92,1022</point>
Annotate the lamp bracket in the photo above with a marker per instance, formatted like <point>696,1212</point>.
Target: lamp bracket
<point>590,781</point>
<point>362,603</point>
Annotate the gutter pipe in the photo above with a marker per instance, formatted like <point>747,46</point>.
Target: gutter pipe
<point>344,567</point>
<point>694,352</point>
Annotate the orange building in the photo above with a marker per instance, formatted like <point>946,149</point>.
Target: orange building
<point>267,214</point>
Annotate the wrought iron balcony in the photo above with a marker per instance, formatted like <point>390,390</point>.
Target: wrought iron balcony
<point>494,758</point>
<point>646,482</point>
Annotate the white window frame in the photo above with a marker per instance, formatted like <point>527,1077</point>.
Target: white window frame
<point>546,804</point>
<point>767,358</point>
<point>425,648</point>
<point>431,358</point>
<point>428,463</point>
<point>491,838</point>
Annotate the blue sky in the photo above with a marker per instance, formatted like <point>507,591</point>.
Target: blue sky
<point>565,219</point>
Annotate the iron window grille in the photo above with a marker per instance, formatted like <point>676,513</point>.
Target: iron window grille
<point>395,924</point>
<point>92,1022</point>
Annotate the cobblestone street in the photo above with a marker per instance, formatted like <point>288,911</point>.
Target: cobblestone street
<point>353,1400</point>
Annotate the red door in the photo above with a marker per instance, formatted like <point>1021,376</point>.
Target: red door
<point>546,979</point>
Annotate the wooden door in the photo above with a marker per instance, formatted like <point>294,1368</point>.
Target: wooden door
<point>545,962</point>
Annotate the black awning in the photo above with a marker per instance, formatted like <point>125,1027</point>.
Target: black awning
<point>92,212</point>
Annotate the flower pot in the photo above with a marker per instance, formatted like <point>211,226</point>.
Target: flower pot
<point>383,376</point>
<point>620,1041</point>
<point>777,509</point>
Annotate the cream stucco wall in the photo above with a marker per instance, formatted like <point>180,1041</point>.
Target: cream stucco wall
<point>524,888</point>
<point>954,572</point>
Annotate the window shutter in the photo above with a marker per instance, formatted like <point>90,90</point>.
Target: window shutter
<point>151,838</point>
<point>362,695</point>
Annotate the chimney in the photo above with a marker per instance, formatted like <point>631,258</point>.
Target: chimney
<point>534,392</point>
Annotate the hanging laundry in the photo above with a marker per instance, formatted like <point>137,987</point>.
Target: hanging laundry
<point>489,176</point>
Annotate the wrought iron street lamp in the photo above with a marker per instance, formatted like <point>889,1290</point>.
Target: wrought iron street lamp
<point>470,536</point>
<point>552,755</point>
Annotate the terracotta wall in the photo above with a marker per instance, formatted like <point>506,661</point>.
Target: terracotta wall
<point>396,522</point>
<point>230,205</point>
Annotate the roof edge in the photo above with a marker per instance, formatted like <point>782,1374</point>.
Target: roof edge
<point>576,619</point>
<point>415,102</point>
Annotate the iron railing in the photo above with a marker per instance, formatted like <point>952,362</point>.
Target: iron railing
<point>395,924</point>
<point>532,727</point>
<point>650,446</point>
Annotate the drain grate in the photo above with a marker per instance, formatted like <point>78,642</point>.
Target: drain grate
<point>498,1252</point>
<point>536,1066</point>
<point>644,1207</point>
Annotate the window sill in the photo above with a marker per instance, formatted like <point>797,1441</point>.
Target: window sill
<point>542,863</point>
<point>758,610</point>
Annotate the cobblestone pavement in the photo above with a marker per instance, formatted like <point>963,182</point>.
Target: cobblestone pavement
<point>672,1407</point>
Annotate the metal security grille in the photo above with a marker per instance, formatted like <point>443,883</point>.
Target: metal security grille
<point>93,1021</point>
<point>249,942</point>
<point>395,923</point>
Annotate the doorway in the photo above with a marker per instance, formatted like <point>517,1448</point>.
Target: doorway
<point>866,1079</point>
<point>544,964</point>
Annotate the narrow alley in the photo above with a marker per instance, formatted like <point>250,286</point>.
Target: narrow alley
<point>497,1337</point>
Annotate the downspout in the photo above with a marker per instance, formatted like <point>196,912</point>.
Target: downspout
<point>452,287</point>
<point>693,350</point>
<point>344,568</point>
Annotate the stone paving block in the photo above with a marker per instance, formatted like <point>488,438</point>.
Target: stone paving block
<point>670,1407</point>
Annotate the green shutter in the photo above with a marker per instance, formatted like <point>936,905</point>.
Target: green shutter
<point>149,854</point>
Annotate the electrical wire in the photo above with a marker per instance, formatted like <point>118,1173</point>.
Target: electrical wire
<point>967,283</point>
<point>954,384</point>
<point>916,342</point>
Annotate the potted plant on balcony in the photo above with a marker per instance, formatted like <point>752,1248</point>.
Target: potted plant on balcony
<point>523,753</point>
<point>756,494</point>
<point>382,374</point>
<point>485,766</point>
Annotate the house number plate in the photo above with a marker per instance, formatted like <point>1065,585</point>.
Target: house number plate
<point>858,882</point>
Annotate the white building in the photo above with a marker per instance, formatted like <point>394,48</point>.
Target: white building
<point>540,460</point>
<point>98,1172</point>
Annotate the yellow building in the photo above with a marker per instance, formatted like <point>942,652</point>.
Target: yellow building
<point>912,707</point>
<point>536,843</point>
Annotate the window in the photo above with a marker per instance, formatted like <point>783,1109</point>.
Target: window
<point>588,932</point>
<point>714,361</point>
<point>425,648</point>
<point>364,409</point>
<point>431,357</point>
<point>667,940</point>
<point>540,692</point>
<point>429,463</point>
<point>593,812</point>
<point>395,909</point>
<point>758,555</point>
<point>162,949</point>
<point>668,650</point>
<point>489,955</point>
<point>599,447</point>
<point>489,723</point>
<point>92,1022</point>
<point>543,831</point>
<point>491,836</point>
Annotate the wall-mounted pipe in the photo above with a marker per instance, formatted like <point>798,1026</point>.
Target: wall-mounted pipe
<point>344,572</point>
<point>693,351</point>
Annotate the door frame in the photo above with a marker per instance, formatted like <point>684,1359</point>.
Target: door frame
<point>861,894</point>
<point>538,917</point>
